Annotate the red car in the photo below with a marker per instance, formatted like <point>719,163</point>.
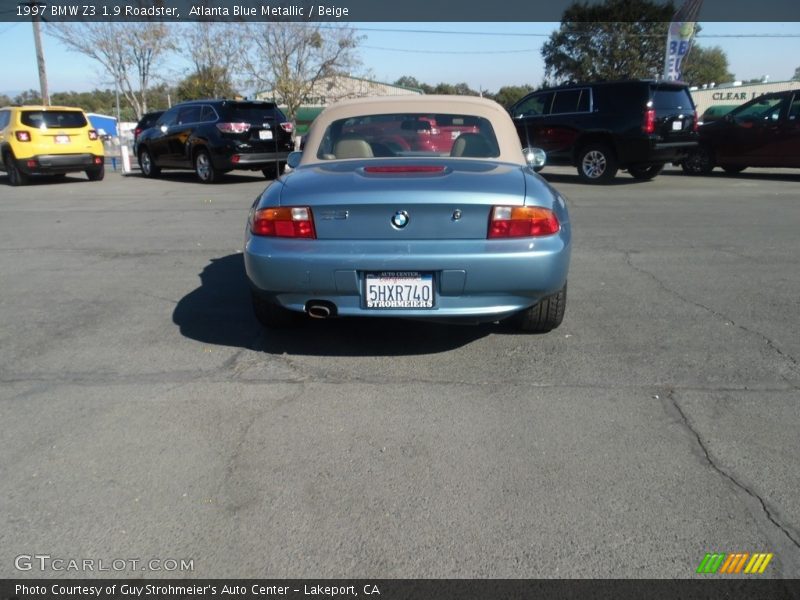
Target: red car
<point>390,136</point>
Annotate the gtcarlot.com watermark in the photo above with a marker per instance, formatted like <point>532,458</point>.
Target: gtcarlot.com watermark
<point>46,562</point>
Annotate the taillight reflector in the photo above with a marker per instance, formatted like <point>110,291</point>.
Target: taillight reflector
<point>522,221</point>
<point>284,221</point>
<point>287,127</point>
<point>92,134</point>
<point>405,169</point>
<point>22,136</point>
<point>696,125</point>
<point>649,125</point>
<point>233,127</point>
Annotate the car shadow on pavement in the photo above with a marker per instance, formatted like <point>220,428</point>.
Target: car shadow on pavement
<point>219,312</point>
<point>620,179</point>
<point>743,176</point>
<point>190,177</point>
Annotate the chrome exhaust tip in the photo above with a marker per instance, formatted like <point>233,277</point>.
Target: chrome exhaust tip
<point>320,309</point>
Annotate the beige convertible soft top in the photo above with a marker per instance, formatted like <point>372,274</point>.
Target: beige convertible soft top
<point>507,138</point>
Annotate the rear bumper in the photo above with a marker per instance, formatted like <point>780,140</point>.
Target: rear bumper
<point>651,151</point>
<point>253,161</point>
<point>58,163</point>
<point>473,279</point>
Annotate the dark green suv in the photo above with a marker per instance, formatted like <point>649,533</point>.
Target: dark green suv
<point>602,127</point>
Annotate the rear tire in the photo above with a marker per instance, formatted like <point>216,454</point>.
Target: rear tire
<point>96,174</point>
<point>699,162</point>
<point>544,316</point>
<point>597,163</point>
<point>273,316</point>
<point>146,164</point>
<point>645,172</point>
<point>15,176</point>
<point>733,169</point>
<point>204,168</point>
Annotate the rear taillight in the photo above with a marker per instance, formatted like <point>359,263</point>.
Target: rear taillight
<point>92,134</point>
<point>696,125</point>
<point>522,221</point>
<point>284,221</point>
<point>22,136</point>
<point>649,124</point>
<point>233,127</point>
<point>287,127</point>
<point>136,133</point>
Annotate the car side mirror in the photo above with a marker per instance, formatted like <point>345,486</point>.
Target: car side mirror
<point>535,157</point>
<point>293,160</point>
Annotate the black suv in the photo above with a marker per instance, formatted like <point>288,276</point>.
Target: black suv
<point>216,136</point>
<point>606,126</point>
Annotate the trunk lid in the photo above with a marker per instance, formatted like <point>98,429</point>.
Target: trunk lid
<point>447,200</point>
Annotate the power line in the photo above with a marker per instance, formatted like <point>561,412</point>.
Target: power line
<point>452,51</point>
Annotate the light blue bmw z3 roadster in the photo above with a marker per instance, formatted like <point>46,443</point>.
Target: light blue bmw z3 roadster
<point>420,207</point>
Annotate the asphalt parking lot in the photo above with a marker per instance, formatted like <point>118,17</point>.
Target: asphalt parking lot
<point>146,415</point>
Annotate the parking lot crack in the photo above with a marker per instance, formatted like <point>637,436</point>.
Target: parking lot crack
<point>773,346</point>
<point>673,407</point>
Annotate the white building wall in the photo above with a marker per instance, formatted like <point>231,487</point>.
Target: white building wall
<point>738,94</point>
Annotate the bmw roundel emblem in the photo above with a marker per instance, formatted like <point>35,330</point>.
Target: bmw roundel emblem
<point>400,219</point>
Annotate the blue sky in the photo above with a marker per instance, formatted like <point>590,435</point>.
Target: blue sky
<point>484,55</point>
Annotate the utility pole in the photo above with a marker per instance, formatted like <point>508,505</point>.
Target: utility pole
<point>37,38</point>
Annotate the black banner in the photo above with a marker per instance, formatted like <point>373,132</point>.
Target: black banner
<point>404,589</point>
<point>355,10</point>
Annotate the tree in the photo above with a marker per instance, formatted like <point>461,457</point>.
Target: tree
<point>215,51</point>
<point>129,52</point>
<point>207,82</point>
<point>289,59</point>
<point>616,40</point>
<point>409,82</point>
<point>796,74</point>
<point>4,100</point>
<point>509,94</point>
<point>28,97</point>
<point>706,65</point>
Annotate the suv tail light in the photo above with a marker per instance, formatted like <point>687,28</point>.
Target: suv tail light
<point>92,134</point>
<point>136,133</point>
<point>649,124</point>
<point>233,127</point>
<point>287,127</point>
<point>283,221</point>
<point>696,125</point>
<point>522,221</point>
<point>22,136</point>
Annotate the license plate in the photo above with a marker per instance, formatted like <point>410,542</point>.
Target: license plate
<point>62,139</point>
<point>399,289</point>
<point>265,134</point>
<point>677,125</point>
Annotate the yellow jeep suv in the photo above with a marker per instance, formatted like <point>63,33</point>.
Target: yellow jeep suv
<point>48,140</point>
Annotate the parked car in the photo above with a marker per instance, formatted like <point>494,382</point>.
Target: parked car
<point>216,136</point>
<point>147,121</point>
<point>764,132</point>
<point>716,112</point>
<point>48,140</point>
<point>603,127</point>
<point>473,233</point>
